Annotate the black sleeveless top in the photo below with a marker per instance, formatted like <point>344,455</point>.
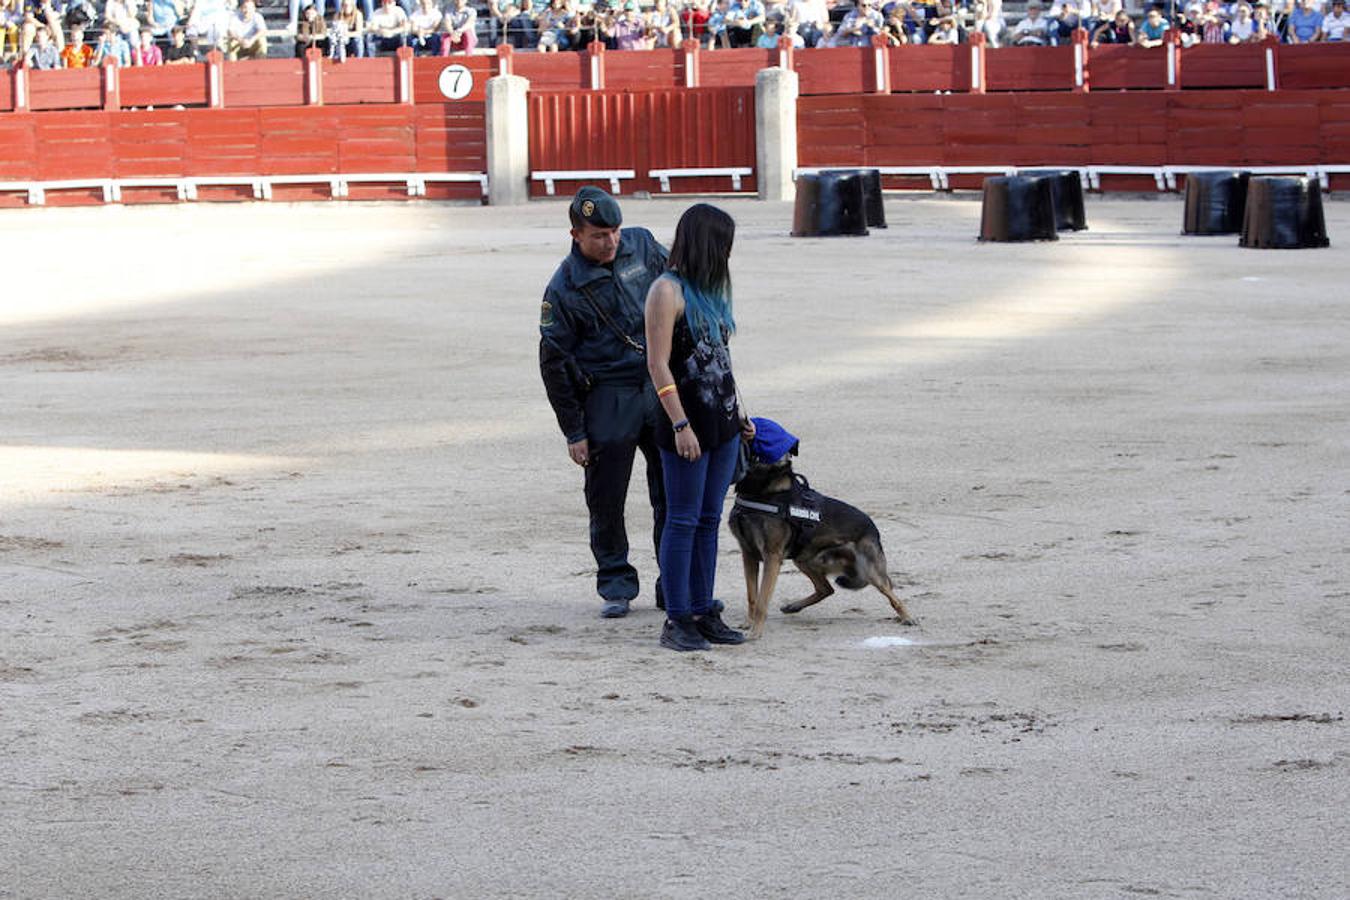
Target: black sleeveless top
<point>702,370</point>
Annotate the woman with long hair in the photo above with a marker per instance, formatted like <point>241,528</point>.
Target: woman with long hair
<point>688,322</point>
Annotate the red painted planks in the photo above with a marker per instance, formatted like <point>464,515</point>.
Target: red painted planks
<point>1029,69</point>
<point>359,81</point>
<point>65,89</point>
<point>164,85</point>
<point>263,82</point>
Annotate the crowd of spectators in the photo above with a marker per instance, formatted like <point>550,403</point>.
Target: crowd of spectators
<point>51,34</point>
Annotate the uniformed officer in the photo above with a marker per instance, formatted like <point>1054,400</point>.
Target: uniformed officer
<point>593,360</point>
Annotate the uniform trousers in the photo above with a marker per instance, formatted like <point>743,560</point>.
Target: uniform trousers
<point>620,420</point>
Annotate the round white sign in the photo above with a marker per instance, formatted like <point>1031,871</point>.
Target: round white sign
<point>455,82</point>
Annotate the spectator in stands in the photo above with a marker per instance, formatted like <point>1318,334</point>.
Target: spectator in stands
<point>77,54</point>
<point>1104,11</point>
<point>346,33</point>
<point>162,15</point>
<point>45,13</point>
<point>1304,23</point>
<point>209,24</point>
<point>717,25</point>
<point>945,33</point>
<point>745,22</point>
<point>693,19</point>
<point>311,32</point>
<point>587,28</point>
<point>111,45</point>
<point>1118,31</point>
<point>987,18</point>
<point>768,38</point>
<point>148,53</point>
<point>517,25</point>
<point>43,54</point>
<point>1150,31</point>
<point>1214,30</point>
<point>1262,23</point>
<point>1034,30</point>
<point>79,14</point>
<point>122,13</point>
<point>461,24</point>
<point>424,28</point>
<point>628,30</point>
<point>387,29</point>
<point>1334,23</point>
<point>812,18</point>
<point>665,23</point>
<point>859,26</point>
<point>181,51</point>
<point>893,29</point>
<point>1066,17</point>
<point>246,35</point>
<point>1187,26</point>
<point>11,24</point>
<point>552,25</point>
<point>1241,28</point>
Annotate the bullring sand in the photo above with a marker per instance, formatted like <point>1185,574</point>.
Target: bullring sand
<point>296,600</point>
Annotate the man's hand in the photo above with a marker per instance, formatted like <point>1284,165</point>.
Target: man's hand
<point>580,453</point>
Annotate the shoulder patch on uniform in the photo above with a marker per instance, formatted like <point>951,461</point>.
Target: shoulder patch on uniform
<point>545,314</point>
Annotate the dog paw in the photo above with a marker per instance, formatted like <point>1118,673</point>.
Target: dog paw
<point>791,608</point>
<point>908,620</point>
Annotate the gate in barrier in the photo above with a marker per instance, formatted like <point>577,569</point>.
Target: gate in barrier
<point>687,140</point>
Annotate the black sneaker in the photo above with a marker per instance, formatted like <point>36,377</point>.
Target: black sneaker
<point>716,631</point>
<point>682,636</point>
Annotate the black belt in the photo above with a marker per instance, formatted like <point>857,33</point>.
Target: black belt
<point>620,380</point>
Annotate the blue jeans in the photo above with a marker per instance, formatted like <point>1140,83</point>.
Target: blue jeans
<point>688,555</point>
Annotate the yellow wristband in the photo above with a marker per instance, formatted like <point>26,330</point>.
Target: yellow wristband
<point>668,389</point>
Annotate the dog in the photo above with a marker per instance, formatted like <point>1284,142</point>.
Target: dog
<point>777,516</point>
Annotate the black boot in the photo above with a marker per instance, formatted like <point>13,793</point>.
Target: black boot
<point>682,636</point>
<point>716,631</point>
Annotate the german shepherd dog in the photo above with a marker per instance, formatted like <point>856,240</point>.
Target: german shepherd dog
<point>777,516</point>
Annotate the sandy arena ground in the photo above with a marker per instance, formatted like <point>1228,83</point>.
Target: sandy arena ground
<point>296,601</point>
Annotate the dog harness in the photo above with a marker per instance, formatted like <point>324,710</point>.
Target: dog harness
<point>799,506</point>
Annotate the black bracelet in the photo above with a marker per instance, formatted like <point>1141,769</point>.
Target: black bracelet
<point>680,425</point>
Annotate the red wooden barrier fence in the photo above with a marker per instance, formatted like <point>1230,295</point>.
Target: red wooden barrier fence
<point>664,129</point>
<point>920,69</point>
<point>201,143</point>
<point>1211,128</point>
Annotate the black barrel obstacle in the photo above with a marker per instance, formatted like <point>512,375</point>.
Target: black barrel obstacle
<point>830,204</point>
<point>1067,187</point>
<point>1018,208</point>
<point>1284,213</point>
<point>872,197</point>
<point>1215,202</point>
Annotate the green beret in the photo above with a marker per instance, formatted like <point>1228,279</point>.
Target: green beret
<point>597,208</point>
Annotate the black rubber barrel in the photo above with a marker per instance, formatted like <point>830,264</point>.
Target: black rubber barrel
<point>1067,187</point>
<point>828,205</point>
<point>1284,214</point>
<point>872,197</point>
<point>1215,202</point>
<point>1018,208</point>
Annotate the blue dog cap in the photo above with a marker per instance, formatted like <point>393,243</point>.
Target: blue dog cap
<point>772,441</point>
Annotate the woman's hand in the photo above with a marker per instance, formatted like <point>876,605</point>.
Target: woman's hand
<point>686,445</point>
<point>748,430</point>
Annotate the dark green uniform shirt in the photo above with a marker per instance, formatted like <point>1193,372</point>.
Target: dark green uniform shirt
<point>575,341</point>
